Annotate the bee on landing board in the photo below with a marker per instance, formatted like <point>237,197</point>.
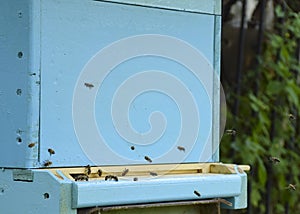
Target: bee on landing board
<point>153,173</point>
<point>125,172</point>
<point>81,178</point>
<point>87,170</point>
<point>99,172</point>
<point>111,177</point>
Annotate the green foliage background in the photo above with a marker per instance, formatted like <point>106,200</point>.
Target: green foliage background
<point>268,121</point>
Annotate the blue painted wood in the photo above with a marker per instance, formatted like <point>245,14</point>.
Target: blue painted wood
<point>166,188</point>
<point>19,83</point>
<point>203,6</point>
<point>44,194</point>
<point>59,38</point>
<point>79,35</point>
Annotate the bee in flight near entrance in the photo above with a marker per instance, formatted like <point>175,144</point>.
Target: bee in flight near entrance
<point>274,160</point>
<point>231,132</point>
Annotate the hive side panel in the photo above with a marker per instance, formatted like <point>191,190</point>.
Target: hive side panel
<point>73,33</point>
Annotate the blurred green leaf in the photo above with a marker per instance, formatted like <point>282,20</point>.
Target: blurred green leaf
<point>274,87</point>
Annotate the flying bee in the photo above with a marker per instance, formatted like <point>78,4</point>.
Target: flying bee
<point>274,160</point>
<point>153,173</point>
<point>231,132</point>
<point>135,179</point>
<point>197,193</point>
<point>125,172</point>
<point>292,117</point>
<point>87,170</point>
<point>291,187</point>
<point>99,172</point>
<point>88,85</point>
<point>148,159</point>
<point>81,178</point>
<point>51,151</point>
<point>30,145</point>
<point>47,163</point>
<point>181,148</point>
<point>111,177</point>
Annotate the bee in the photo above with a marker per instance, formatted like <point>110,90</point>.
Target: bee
<point>47,163</point>
<point>291,187</point>
<point>81,178</point>
<point>99,172</point>
<point>125,172</point>
<point>148,159</point>
<point>181,148</point>
<point>197,193</point>
<point>111,177</point>
<point>153,173</point>
<point>51,151</point>
<point>87,170</point>
<point>231,132</point>
<point>274,160</point>
<point>292,117</point>
<point>135,179</point>
<point>89,85</point>
<point>30,145</point>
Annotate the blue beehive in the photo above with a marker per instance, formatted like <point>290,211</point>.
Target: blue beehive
<point>112,84</point>
<point>94,79</point>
